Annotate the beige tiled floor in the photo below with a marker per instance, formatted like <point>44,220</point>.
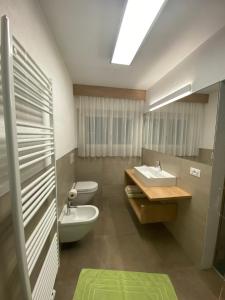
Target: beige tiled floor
<point>120,242</point>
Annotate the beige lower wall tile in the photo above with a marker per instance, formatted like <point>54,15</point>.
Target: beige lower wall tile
<point>108,172</point>
<point>65,169</point>
<point>105,170</point>
<point>10,285</point>
<point>189,227</point>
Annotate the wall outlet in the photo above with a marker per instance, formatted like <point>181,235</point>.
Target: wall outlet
<point>71,158</point>
<point>195,172</point>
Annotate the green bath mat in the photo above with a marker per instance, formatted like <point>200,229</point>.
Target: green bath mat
<point>122,285</point>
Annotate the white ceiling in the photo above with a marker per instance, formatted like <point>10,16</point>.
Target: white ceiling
<point>86,32</point>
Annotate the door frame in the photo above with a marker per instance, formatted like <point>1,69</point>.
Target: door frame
<point>217,184</point>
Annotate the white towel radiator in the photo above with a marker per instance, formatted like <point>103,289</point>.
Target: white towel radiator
<point>28,116</point>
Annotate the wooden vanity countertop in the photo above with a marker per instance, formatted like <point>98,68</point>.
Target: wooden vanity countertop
<point>159,193</point>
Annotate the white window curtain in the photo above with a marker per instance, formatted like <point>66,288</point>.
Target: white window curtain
<point>174,129</point>
<point>109,127</point>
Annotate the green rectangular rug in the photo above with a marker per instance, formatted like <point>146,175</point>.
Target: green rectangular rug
<point>122,285</point>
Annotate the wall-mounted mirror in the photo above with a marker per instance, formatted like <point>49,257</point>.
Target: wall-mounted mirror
<point>185,128</point>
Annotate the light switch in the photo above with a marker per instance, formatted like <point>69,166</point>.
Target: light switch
<point>195,172</point>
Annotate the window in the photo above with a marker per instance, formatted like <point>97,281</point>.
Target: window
<point>109,127</point>
<point>96,130</point>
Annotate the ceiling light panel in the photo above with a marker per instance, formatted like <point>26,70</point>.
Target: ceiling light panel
<point>177,95</point>
<point>138,17</point>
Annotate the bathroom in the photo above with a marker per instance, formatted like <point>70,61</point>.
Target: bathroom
<point>106,120</point>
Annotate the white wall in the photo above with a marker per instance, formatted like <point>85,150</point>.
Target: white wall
<point>203,67</point>
<point>209,122</point>
<point>30,28</point>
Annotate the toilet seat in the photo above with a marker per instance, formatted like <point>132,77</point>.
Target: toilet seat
<point>86,186</point>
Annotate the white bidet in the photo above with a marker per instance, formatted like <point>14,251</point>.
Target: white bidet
<point>75,225</point>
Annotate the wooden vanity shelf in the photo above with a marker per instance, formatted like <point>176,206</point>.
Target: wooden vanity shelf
<point>147,212</point>
<point>160,204</point>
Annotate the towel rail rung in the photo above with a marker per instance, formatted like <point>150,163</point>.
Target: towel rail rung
<point>28,81</point>
<point>21,149</point>
<point>35,199</point>
<point>21,141</point>
<point>27,203</point>
<point>39,107</point>
<point>20,52</point>
<point>28,68</point>
<point>26,74</point>
<point>41,241</point>
<point>39,188</point>
<point>32,87</point>
<point>32,97</point>
<point>34,133</point>
<point>40,234</point>
<point>50,266</point>
<point>41,238</point>
<point>33,234</point>
<point>35,160</point>
<point>35,154</point>
<point>36,181</point>
<point>23,51</point>
<point>37,204</point>
<point>31,125</point>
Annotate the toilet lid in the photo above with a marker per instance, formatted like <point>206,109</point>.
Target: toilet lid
<point>86,186</point>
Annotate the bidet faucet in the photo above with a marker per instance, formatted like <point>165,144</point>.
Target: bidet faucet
<point>158,165</point>
<point>68,206</point>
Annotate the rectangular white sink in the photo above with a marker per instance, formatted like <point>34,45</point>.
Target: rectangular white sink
<point>153,176</point>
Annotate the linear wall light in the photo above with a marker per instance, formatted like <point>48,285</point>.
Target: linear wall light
<point>138,17</point>
<point>182,92</point>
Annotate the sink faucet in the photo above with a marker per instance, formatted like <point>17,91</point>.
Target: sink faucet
<point>158,165</point>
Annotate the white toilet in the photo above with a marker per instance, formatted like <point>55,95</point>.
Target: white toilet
<point>74,226</point>
<point>85,192</point>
